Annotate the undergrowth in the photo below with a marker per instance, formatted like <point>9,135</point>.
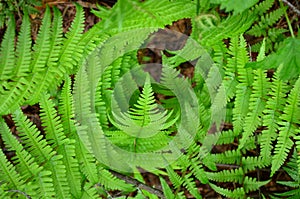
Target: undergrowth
<point>105,121</point>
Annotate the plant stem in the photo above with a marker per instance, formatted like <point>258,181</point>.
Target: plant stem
<point>287,19</point>
<point>291,6</point>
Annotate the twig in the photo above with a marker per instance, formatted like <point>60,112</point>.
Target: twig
<point>138,184</point>
<point>21,192</point>
<point>292,6</point>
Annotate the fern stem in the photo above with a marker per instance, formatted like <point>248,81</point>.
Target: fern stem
<point>288,20</point>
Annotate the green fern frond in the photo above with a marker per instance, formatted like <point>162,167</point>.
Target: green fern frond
<point>23,49</point>
<point>292,169</point>
<point>59,176</point>
<point>43,153</point>
<point>287,128</point>
<point>42,46</point>
<point>72,167</point>
<point>126,15</point>
<point>176,180</point>
<point>71,52</point>
<point>228,157</point>
<point>235,194</point>
<point>274,105</point>
<point>226,137</point>
<point>166,189</point>
<point>66,110</point>
<point>51,122</point>
<point>45,185</point>
<point>257,102</point>
<point>245,79</point>
<point>266,22</point>
<point>233,175</point>
<point>3,193</point>
<point>26,164</point>
<point>145,118</point>
<point>86,161</point>
<point>252,163</point>
<point>251,184</point>
<point>230,27</point>
<point>198,171</point>
<point>88,129</point>
<point>190,185</point>
<point>8,172</point>
<point>263,7</point>
<point>51,72</point>
<point>32,139</point>
<point>237,7</point>
<point>46,73</point>
<point>110,182</point>
<point>89,191</point>
<point>7,58</point>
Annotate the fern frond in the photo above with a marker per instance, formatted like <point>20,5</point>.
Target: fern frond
<point>198,170</point>
<point>59,177</point>
<point>166,189</point>
<point>86,161</point>
<point>67,149</point>
<point>230,27</point>
<point>228,157</point>
<point>287,128</point>
<point>190,185</point>
<point>26,164</point>
<point>23,50</point>
<point>66,110</point>
<point>3,193</point>
<point>226,137</point>
<point>257,104</point>
<point>7,58</point>
<point>32,139</point>
<point>235,194</point>
<point>45,185</point>
<point>111,182</point>
<point>292,169</point>
<point>251,184</point>
<point>263,7</point>
<point>266,22</point>
<point>145,118</point>
<point>48,78</point>
<point>125,16</point>
<point>47,71</point>
<point>271,115</point>
<point>176,180</point>
<point>252,163</point>
<point>42,45</point>
<point>71,53</point>
<point>245,79</point>
<point>233,175</point>
<point>8,172</point>
<point>51,122</point>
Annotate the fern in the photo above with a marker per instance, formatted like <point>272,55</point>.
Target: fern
<point>272,114</point>
<point>264,26</point>
<point>32,78</point>
<point>288,119</point>
<point>112,116</point>
<point>292,169</point>
<point>245,79</point>
<point>236,193</point>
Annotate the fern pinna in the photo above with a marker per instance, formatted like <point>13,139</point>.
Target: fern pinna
<point>230,128</point>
